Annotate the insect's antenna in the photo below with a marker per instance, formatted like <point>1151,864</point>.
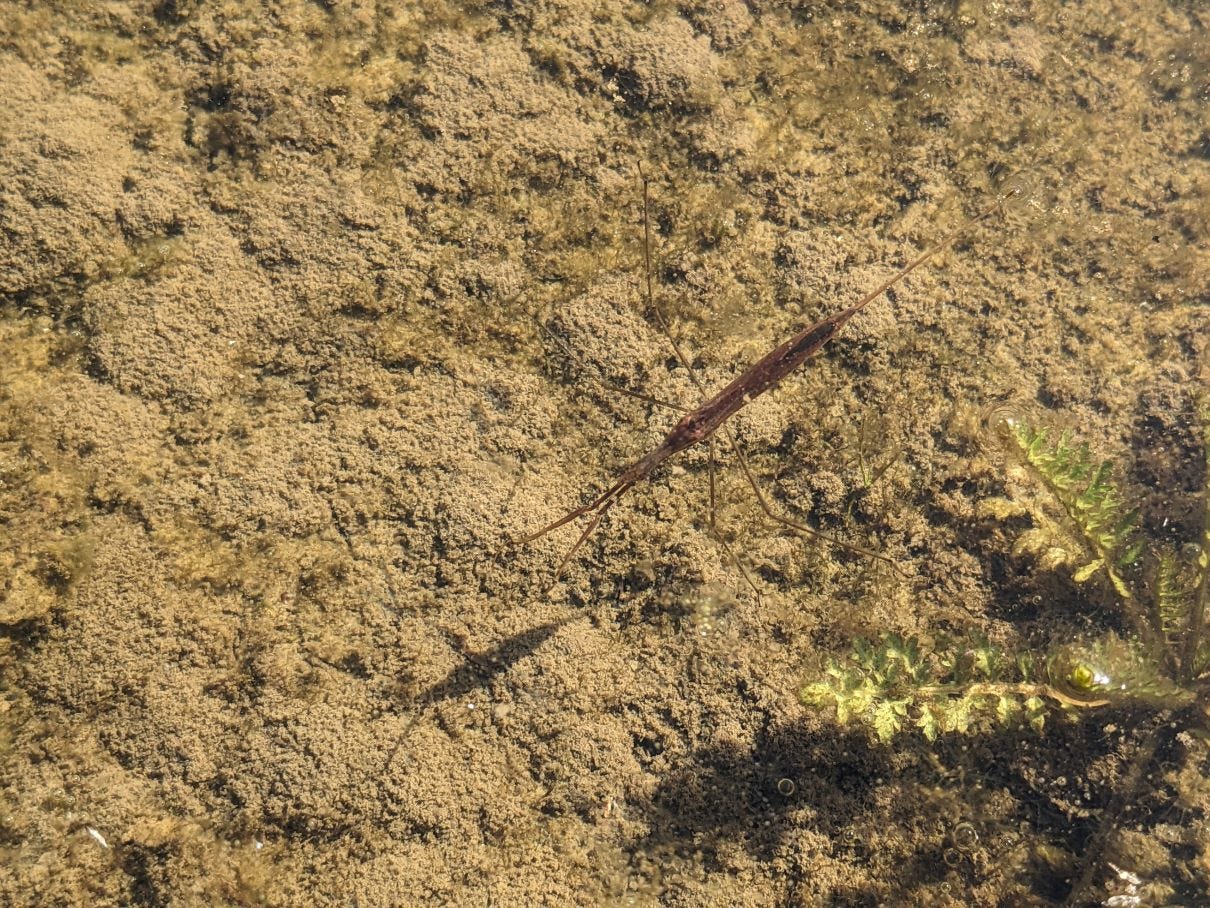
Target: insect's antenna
<point>936,248</point>
<point>659,314</point>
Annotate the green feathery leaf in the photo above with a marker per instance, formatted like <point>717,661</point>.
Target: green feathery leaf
<point>1087,493</point>
<point>1176,582</point>
<point>1095,519</point>
<point>895,682</point>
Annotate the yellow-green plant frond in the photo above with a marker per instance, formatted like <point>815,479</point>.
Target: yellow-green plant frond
<point>1080,519</point>
<point>1084,488</point>
<point>1176,586</point>
<point>1195,654</point>
<point>896,683</point>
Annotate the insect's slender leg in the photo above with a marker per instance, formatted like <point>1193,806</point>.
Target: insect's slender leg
<point>646,398</point>
<point>701,422</point>
<point>651,304</point>
<point>794,524</point>
<point>717,533</point>
<point>592,525</point>
<point>693,377</point>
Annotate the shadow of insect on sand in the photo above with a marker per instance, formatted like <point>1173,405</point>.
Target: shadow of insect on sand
<point>480,668</point>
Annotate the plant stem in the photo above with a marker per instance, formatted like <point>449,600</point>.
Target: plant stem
<point>994,689</point>
<point>1197,615</point>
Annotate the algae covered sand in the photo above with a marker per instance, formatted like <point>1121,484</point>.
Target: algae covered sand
<point>310,311</point>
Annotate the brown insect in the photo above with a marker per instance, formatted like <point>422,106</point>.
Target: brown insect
<point>699,425</point>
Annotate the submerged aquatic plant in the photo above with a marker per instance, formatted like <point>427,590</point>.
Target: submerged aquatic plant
<point>897,683</point>
<point>1078,520</point>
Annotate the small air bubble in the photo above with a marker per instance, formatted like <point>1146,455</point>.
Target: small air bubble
<point>965,836</point>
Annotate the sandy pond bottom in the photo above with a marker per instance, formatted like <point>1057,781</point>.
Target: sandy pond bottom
<point>306,311</point>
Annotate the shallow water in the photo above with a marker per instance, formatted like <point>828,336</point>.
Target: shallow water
<point>311,311</point>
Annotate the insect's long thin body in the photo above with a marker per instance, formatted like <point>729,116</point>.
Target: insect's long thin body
<point>700,424</point>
